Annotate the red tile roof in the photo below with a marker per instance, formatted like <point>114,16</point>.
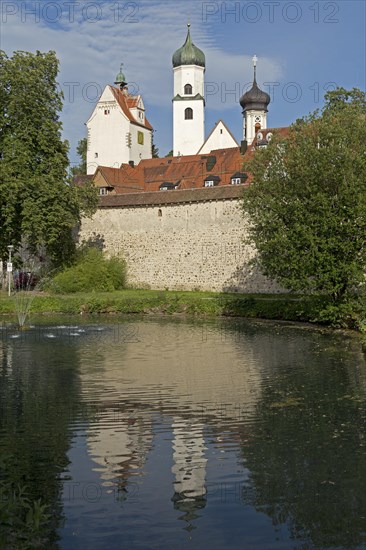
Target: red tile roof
<point>132,101</point>
<point>126,102</point>
<point>204,194</point>
<point>122,179</point>
<point>185,172</point>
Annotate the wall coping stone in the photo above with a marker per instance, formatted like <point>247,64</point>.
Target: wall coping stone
<point>158,198</point>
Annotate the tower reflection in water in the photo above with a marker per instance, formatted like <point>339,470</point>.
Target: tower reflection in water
<point>189,468</point>
<point>141,386</point>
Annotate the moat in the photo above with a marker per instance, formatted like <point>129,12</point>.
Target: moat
<point>162,433</point>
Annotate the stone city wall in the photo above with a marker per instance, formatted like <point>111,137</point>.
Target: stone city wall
<point>184,245</point>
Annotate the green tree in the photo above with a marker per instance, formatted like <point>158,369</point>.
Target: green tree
<point>38,205</point>
<point>307,205</point>
<point>154,149</point>
<point>81,150</point>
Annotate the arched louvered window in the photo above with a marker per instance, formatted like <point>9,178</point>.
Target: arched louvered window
<point>188,113</point>
<point>188,89</point>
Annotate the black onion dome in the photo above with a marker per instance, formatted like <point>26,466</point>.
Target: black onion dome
<point>255,99</point>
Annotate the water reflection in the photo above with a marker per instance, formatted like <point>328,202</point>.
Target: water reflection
<point>169,433</point>
<point>189,468</point>
<point>120,450</point>
<point>307,454</point>
<point>36,391</point>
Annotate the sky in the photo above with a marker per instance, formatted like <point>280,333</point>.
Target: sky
<point>304,48</point>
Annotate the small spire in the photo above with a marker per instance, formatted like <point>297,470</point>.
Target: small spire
<point>188,31</point>
<point>188,39</point>
<point>255,59</point>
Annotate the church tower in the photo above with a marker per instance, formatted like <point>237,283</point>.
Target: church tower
<point>188,102</point>
<point>255,107</point>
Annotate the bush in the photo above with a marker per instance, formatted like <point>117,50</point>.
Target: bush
<point>92,271</point>
<point>345,314</point>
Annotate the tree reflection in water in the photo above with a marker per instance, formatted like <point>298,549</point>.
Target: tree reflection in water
<point>306,455</point>
<point>38,392</point>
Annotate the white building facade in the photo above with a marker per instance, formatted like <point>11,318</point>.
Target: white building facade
<point>219,138</point>
<point>118,130</point>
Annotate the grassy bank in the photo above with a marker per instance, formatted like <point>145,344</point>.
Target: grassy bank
<point>281,307</point>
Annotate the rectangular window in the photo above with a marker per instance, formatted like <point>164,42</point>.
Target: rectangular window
<point>103,191</point>
<point>236,181</point>
<point>106,111</point>
<point>140,138</point>
<point>209,183</point>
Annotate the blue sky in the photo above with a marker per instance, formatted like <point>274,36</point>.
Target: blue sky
<point>303,48</point>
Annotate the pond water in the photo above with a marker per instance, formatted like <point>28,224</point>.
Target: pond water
<point>163,433</point>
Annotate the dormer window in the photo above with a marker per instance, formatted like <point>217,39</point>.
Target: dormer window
<point>167,186</point>
<point>187,89</point>
<point>188,114</point>
<point>211,181</point>
<point>238,178</point>
<point>103,191</point>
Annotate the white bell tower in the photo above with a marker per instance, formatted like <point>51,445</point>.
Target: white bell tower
<point>188,100</point>
<point>255,107</point>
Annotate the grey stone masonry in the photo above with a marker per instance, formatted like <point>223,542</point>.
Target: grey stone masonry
<point>179,240</point>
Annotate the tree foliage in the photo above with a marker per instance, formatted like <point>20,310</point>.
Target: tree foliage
<point>308,201</point>
<point>154,149</point>
<point>81,150</point>
<point>38,205</point>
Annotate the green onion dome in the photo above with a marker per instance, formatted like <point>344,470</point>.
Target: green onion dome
<point>120,78</point>
<point>189,54</point>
